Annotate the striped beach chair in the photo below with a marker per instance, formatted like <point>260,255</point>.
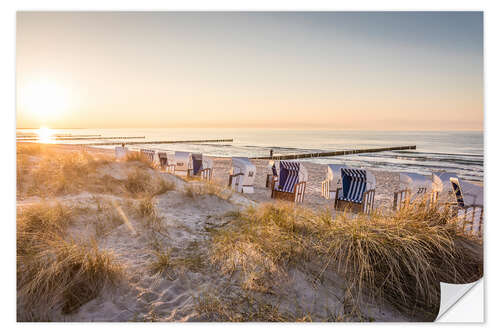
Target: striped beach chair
<point>468,206</point>
<point>414,186</point>
<point>358,191</point>
<point>332,182</point>
<point>166,163</point>
<point>289,182</point>
<point>148,154</point>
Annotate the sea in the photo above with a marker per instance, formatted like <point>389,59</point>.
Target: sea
<point>461,152</point>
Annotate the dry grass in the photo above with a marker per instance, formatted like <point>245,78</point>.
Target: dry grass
<point>46,172</point>
<point>195,190</point>
<point>400,258</point>
<point>135,156</point>
<point>56,274</point>
<point>140,183</point>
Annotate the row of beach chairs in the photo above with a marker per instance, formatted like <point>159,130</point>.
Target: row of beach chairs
<point>351,189</point>
<point>179,163</point>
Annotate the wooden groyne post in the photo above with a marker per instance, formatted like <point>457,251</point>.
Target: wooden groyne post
<point>333,153</point>
<point>117,143</point>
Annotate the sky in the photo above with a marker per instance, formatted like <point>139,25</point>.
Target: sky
<point>328,70</point>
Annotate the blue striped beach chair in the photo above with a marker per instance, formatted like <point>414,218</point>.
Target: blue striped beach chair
<point>358,191</point>
<point>468,207</point>
<point>413,187</point>
<point>289,182</point>
<point>333,181</point>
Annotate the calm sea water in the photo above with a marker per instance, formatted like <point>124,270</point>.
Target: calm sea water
<point>454,151</point>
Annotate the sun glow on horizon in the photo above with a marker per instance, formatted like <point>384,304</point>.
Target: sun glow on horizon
<point>44,134</point>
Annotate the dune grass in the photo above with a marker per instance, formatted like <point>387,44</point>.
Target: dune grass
<point>45,172</point>
<point>56,274</point>
<point>399,258</point>
<point>207,188</point>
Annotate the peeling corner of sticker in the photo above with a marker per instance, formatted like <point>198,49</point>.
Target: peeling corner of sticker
<point>451,294</point>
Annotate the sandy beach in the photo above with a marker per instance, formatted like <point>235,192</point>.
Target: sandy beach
<point>191,284</point>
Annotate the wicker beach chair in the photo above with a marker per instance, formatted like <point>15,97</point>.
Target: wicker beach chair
<point>201,167</point>
<point>414,187</point>
<point>242,175</point>
<point>290,182</point>
<point>183,163</point>
<point>468,207</point>
<point>358,191</point>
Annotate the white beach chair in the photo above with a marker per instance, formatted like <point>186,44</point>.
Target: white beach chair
<point>121,153</point>
<point>242,175</point>
<point>414,186</point>
<point>166,162</point>
<point>468,206</point>
<point>333,181</point>
<point>358,191</point>
<point>445,180</point>
<point>289,182</point>
<point>183,163</point>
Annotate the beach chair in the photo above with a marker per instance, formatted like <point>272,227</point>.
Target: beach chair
<point>289,182</point>
<point>183,163</point>
<point>148,154</point>
<point>242,175</point>
<point>358,191</point>
<point>468,206</point>
<point>414,186</point>
<point>121,153</point>
<point>167,164</point>
<point>332,182</point>
<point>201,167</point>
<point>445,180</point>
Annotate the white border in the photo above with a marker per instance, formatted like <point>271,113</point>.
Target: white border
<point>492,138</point>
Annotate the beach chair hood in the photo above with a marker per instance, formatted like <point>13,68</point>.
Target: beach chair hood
<point>183,161</point>
<point>415,182</point>
<point>466,193</point>
<point>355,182</point>
<point>290,173</point>
<point>333,175</point>
<point>442,180</point>
<point>246,167</point>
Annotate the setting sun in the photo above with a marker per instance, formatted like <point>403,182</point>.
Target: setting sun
<point>44,134</point>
